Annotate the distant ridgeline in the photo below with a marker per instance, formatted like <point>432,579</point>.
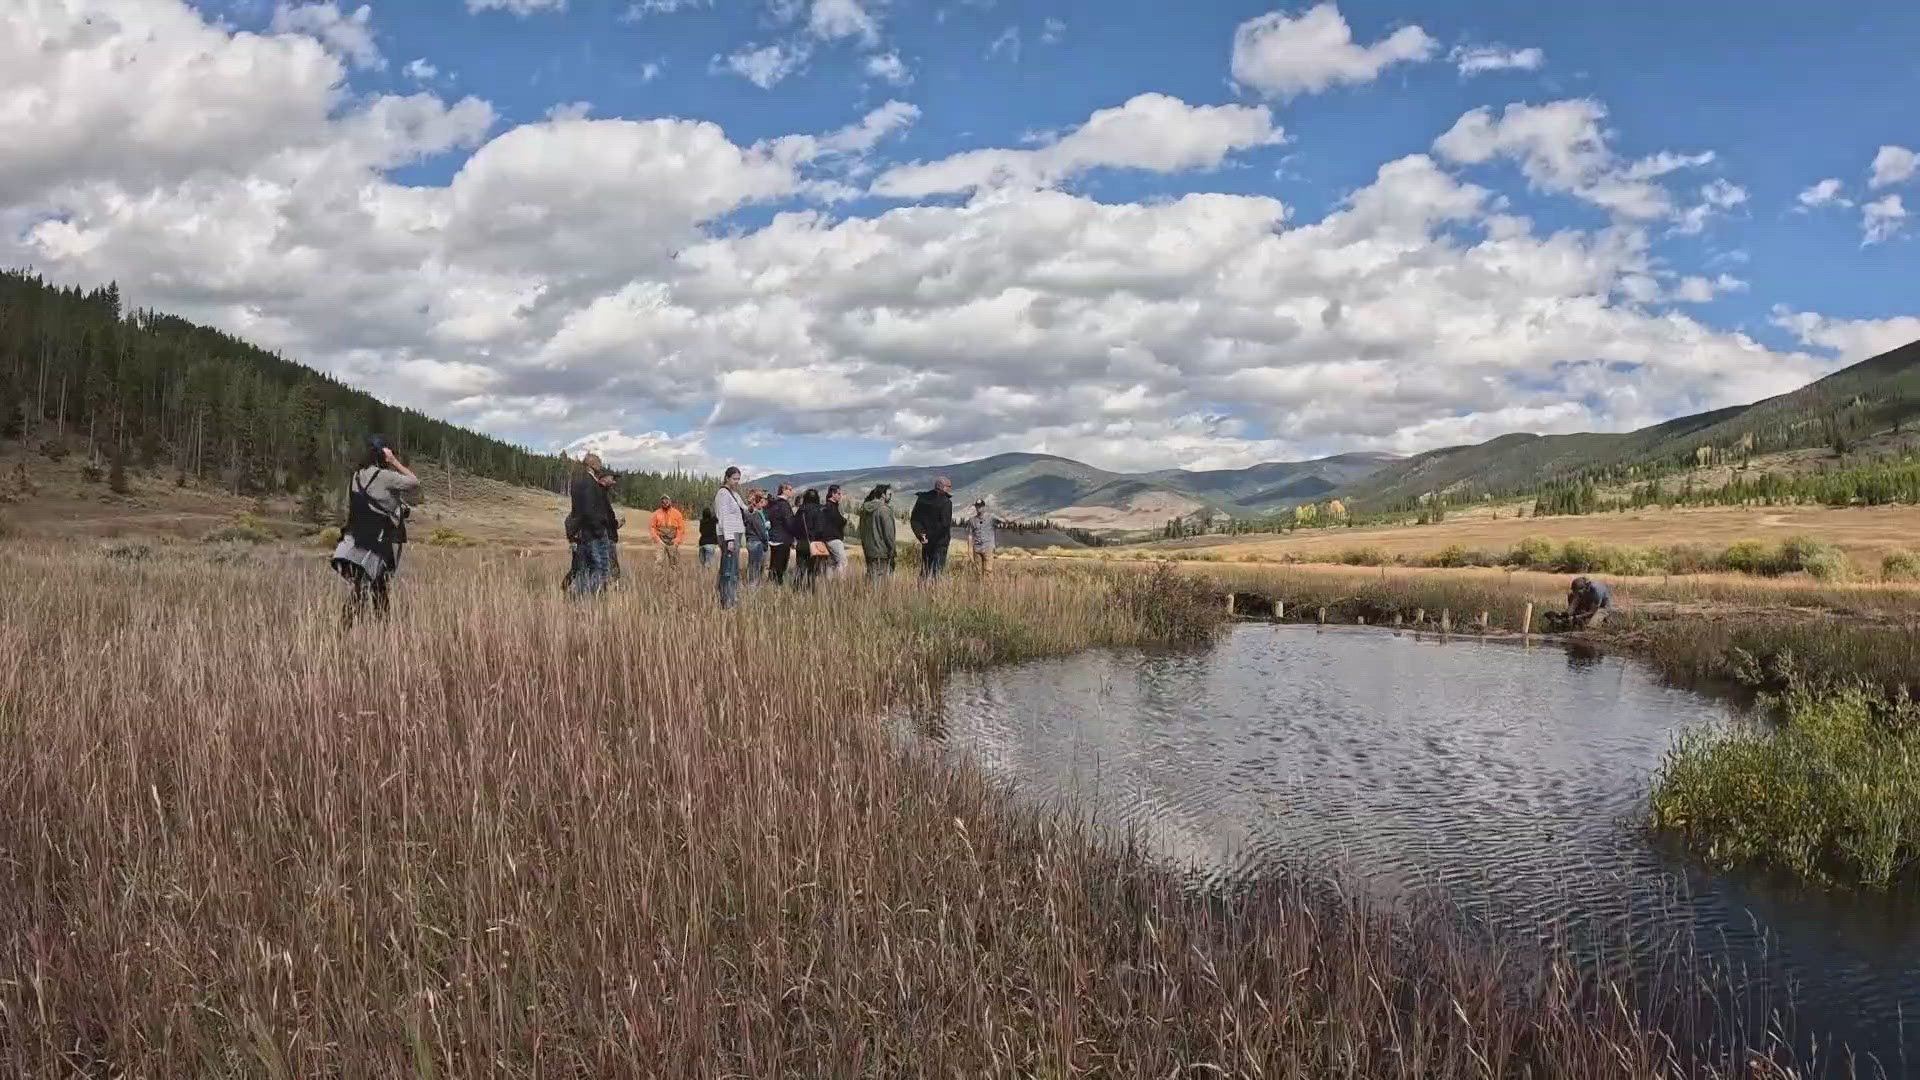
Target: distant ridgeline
<point>1864,416</point>
<point>155,391</point>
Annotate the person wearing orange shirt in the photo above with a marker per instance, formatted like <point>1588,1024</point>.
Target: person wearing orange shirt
<point>669,524</point>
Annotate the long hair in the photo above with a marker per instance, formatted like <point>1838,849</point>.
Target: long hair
<point>879,491</point>
<point>811,498</point>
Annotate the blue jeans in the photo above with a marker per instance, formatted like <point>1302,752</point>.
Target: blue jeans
<point>756,561</point>
<point>595,559</point>
<point>707,552</point>
<point>729,573</point>
<point>933,559</point>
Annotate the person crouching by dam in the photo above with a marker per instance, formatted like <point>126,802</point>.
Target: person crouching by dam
<point>369,550</point>
<point>1587,603</point>
<point>594,525</point>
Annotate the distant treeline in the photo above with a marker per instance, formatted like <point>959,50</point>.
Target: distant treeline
<point>147,390</point>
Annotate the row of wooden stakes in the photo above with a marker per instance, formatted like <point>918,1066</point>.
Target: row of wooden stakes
<point>1419,617</point>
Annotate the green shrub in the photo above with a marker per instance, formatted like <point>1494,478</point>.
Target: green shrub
<point>1831,794</point>
<point>1750,557</point>
<point>1900,566</point>
<point>327,538</point>
<point>244,529</point>
<point>1363,556</point>
<point>1804,554</point>
<point>1690,559</point>
<point>446,537</point>
<point>1532,552</point>
<point>1581,557</point>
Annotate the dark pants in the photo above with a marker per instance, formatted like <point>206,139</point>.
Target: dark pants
<point>729,579</point>
<point>369,595</point>
<point>879,568</point>
<point>777,563</point>
<point>595,563</point>
<point>933,558</point>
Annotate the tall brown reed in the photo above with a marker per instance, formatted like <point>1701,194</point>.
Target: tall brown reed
<point>507,834</point>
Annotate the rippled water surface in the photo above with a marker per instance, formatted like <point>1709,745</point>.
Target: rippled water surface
<point>1506,780</point>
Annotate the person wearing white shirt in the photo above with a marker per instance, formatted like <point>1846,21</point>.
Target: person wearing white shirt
<point>732,530</point>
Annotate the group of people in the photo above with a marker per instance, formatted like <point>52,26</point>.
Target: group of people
<point>784,537</point>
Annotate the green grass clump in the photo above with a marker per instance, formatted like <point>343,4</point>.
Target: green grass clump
<point>451,538</point>
<point>1832,794</point>
<point>244,529</point>
<point>1900,566</point>
<point>1363,556</point>
<point>1532,552</point>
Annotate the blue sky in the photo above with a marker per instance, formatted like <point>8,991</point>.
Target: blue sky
<point>815,233</point>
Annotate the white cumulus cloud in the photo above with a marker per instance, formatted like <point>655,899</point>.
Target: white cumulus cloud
<point>1480,59</point>
<point>522,8</point>
<point>1893,165</point>
<point>1824,193</point>
<point>1153,132</point>
<point>767,65</point>
<point>1284,55</point>
<point>1883,218</point>
<point>348,33</point>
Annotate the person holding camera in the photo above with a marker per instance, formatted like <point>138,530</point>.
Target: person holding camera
<point>594,525</point>
<point>369,550</point>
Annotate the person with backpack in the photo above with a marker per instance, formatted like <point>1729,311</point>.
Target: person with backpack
<point>595,526</point>
<point>932,524</point>
<point>369,550</point>
<point>877,532</point>
<point>811,530</point>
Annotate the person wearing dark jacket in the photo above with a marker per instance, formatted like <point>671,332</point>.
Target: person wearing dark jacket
<point>780,534</point>
<point>594,526</point>
<point>877,532</point>
<point>836,530</point>
<point>709,536</point>
<point>932,524</point>
<point>811,533</point>
<point>757,532</point>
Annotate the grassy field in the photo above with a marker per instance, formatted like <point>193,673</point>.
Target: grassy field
<point>1867,534</point>
<point>508,834</point>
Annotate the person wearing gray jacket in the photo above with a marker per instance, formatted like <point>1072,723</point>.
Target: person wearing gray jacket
<point>877,532</point>
<point>980,531</point>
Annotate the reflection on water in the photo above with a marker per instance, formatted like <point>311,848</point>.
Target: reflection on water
<point>1505,780</point>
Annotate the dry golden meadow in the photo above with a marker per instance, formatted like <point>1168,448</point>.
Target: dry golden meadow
<point>512,835</point>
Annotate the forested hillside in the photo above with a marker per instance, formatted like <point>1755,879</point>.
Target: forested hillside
<point>144,390</point>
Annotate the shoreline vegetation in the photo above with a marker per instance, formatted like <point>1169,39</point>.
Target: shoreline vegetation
<point>510,834</point>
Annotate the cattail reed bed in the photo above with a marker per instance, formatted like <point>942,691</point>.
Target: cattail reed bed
<point>508,834</point>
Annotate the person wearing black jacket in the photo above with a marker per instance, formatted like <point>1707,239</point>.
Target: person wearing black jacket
<point>932,525</point>
<point>811,533</point>
<point>836,530</point>
<point>709,536</point>
<point>593,526</point>
<point>780,534</point>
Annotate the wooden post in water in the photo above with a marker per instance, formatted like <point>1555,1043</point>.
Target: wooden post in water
<point>1279,610</point>
<point>1229,605</point>
<point>1396,618</point>
<point>1419,616</point>
<point>1484,625</point>
<point>1363,620</point>
<point>1323,616</point>
<point>1526,621</point>
<point>1446,620</point>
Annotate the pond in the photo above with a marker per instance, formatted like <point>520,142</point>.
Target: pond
<point>1507,781</point>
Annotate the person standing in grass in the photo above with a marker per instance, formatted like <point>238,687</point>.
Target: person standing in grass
<point>730,525</point>
<point>595,524</point>
<point>836,530</point>
<point>980,531</point>
<point>932,524</point>
<point>668,523</point>
<point>709,536</point>
<point>369,551</point>
<point>756,535</point>
<point>781,540</point>
<point>877,532</point>
<point>810,538</point>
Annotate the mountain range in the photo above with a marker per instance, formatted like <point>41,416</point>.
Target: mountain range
<point>1851,408</point>
<point>1075,494</point>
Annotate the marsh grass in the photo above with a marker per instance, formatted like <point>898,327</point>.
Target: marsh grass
<point>507,834</point>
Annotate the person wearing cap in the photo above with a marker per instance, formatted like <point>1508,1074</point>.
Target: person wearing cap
<point>1587,603</point>
<point>369,550</point>
<point>593,525</point>
<point>668,523</point>
<point>730,525</point>
<point>980,531</point>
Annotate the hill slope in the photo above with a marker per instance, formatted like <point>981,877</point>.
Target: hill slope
<point>1030,486</point>
<point>1838,411</point>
